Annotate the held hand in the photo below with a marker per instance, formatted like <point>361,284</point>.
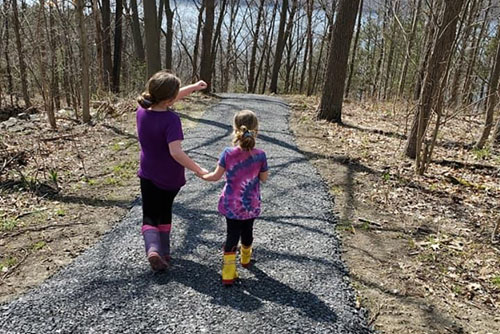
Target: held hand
<point>200,85</point>
<point>202,172</point>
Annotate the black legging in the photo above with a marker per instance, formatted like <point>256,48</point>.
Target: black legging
<point>156,204</point>
<point>237,229</point>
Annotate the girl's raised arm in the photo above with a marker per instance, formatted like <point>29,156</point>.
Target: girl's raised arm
<point>186,90</point>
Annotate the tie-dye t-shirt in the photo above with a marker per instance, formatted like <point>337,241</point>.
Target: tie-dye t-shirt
<point>240,198</point>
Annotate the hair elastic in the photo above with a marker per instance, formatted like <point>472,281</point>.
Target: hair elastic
<point>248,133</point>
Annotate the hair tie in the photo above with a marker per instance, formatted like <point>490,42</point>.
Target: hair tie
<point>147,101</point>
<point>247,133</point>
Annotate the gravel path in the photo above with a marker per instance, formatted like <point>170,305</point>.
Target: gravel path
<point>298,283</point>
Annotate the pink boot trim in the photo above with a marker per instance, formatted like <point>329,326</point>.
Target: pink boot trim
<point>148,227</point>
<point>165,227</point>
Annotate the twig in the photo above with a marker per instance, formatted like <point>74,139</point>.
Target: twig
<point>17,265</point>
<point>494,233</point>
<point>71,136</point>
<point>30,213</point>
<point>41,228</point>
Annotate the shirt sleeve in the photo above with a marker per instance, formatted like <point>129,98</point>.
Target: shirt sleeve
<point>174,130</point>
<point>264,167</point>
<point>222,158</point>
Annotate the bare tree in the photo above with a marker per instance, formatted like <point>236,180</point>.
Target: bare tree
<point>85,61</point>
<point>280,46</point>
<point>330,107</point>
<point>492,97</point>
<point>434,83</point>
<point>206,48</point>
<point>152,38</point>
<point>20,54</point>
<point>117,53</point>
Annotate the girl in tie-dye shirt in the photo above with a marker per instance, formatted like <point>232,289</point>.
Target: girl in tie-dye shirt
<point>245,167</point>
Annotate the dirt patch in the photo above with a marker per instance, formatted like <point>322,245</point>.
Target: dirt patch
<point>60,191</point>
<point>419,248</point>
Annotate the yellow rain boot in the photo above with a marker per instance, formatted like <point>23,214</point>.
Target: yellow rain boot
<point>246,255</point>
<point>229,273</point>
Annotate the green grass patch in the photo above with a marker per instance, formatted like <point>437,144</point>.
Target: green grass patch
<point>8,224</point>
<point>481,154</point>
<point>496,281</point>
<point>38,245</point>
<point>7,264</point>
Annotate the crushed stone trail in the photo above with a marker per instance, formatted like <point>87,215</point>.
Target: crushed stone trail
<point>298,283</point>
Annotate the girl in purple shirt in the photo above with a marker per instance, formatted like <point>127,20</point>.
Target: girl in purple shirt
<point>245,167</point>
<point>162,161</point>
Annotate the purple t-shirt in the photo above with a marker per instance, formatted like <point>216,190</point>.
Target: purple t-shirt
<point>240,198</point>
<point>156,129</point>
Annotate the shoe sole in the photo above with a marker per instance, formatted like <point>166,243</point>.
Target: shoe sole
<point>156,262</point>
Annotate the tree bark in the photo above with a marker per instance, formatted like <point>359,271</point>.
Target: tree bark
<point>255,42</point>
<point>196,49</point>
<point>409,47</point>
<point>354,49</point>
<point>107,64</point>
<point>20,55</point>
<point>136,32</point>
<point>169,13</point>
<point>206,45</point>
<point>152,37</point>
<point>117,54</point>
<point>492,97</point>
<point>330,107</point>
<point>434,82</point>
<point>85,62</point>
<point>280,46</point>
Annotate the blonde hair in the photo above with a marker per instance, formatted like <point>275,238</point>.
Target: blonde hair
<point>160,87</point>
<point>245,126</point>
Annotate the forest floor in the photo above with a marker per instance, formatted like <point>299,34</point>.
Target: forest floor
<point>61,190</point>
<point>419,248</point>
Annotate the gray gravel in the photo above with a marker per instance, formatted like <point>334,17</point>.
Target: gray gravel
<point>297,283</point>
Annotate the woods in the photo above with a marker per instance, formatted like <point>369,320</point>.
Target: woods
<point>384,50</point>
<point>396,102</point>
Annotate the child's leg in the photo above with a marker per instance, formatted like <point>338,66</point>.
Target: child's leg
<point>166,226</point>
<point>150,217</point>
<point>233,234</point>
<point>246,242</point>
<point>229,273</point>
<point>247,232</point>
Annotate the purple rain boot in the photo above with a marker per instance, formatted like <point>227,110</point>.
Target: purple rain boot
<point>151,237</point>
<point>165,241</point>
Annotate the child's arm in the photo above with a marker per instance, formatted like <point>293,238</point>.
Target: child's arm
<point>186,90</point>
<point>215,175</point>
<point>263,176</point>
<point>178,154</point>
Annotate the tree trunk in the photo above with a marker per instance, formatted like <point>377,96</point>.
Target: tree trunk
<point>280,46</point>
<point>136,32</point>
<point>492,97</point>
<point>107,64</point>
<point>354,49</point>
<point>330,107</point>
<point>20,55</point>
<point>196,49</point>
<point>409,47</point>
<point>206,45</point>
<point>54,73</point>
<point>169,13</point>
<point>461,60</point>
<point>98,42</point>
<point>85,62</point>
<point>468,86</point>
<point>152,37</point>
<point>434,82</point>
<point>47,98</point>
<point>255,42</point>
<point>10,85</point>
<point>117,54</point>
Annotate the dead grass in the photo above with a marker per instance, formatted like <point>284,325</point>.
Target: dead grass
<point>419,248</point>
<point>65,188</point>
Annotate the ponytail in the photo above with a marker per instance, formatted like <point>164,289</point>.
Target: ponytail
<point>145,100</point>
